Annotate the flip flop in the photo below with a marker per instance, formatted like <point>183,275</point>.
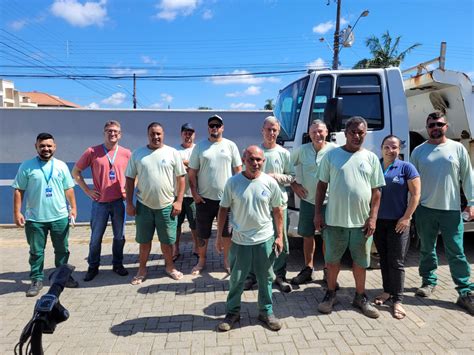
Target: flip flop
<point>138,279</point>
<point>197,270</point>
<point>381,299</point>
<point>398,311</point>
<point>176,257</point>
<point>175,274</point>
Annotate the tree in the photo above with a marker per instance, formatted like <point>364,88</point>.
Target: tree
<point>204,108</point>
<point>385,52</point>
<point>269,104</point>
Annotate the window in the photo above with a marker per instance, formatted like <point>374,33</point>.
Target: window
<point>288,107</point>
<point>321,95</point>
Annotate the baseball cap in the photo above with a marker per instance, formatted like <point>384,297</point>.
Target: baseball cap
<point>187,127</point>
<point>215,118</point>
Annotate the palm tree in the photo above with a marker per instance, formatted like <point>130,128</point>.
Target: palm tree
<point>385,54</point>
<point>268,104</point>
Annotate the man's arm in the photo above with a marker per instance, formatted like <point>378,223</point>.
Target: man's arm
<point>17,201</point>
<point>221,218</point>
<point>370,223</point>
<point>178,203</point>
<point>77,175</point>
<point>318,221</point>
<point>129,190</point>
<point>71,198</point>
<point>278,218</point>
<point>192,175</point>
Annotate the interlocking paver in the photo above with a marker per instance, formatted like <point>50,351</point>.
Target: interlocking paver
<point>108,315</point>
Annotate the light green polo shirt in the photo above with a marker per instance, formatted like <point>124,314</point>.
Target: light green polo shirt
<point>185,154</point>
<point>441,169</point>
<point>214,162</point>
<point>40,205</point>
<point>351,178</point>
<point>156,172</point>
<point>277,161</point>
<point>306,161</point>
<point>250,203</point>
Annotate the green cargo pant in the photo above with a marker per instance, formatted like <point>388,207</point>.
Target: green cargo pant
<point>36,234</point>
<point>258,258</point>
<point>428,222</point>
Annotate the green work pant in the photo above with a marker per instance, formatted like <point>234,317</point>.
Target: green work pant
<point>279,266</point>
<point>36,234</point>
<point>428,222</point>
<point>244,258</point>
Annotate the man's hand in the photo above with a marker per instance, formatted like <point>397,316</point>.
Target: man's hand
<point>198,199</point>
<point>219,244</point>
<point>470,210</point>
<point>19,219</point>
<point>177,206</point>
<point>73,213</point>
<point>93,194</point>
<point>403,225</point>
<point>319,223</point>
<point>279,244</point>
<point>369,226</point>
<point>299,190</point>
<point>131,210</point>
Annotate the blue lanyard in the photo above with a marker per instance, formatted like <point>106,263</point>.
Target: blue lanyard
<point>48,179</point>
<point>111,161</point>
<point>386,170</point>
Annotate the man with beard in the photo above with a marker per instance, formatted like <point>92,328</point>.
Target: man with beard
<point>47,183</point>
<point>443,165</point>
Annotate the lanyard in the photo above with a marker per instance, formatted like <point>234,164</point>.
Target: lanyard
<point>48,179</point>
<point>386,170</point>
<point>111,161</point>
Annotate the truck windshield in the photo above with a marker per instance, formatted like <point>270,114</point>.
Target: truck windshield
<point>288,106</point>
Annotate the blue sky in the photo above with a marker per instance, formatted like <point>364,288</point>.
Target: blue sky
<point>208,37</point>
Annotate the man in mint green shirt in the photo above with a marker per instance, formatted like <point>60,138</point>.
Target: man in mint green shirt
<point>443,165</point>
<point>46,183</point>
<point>251,196</point>
<point>354,177</point>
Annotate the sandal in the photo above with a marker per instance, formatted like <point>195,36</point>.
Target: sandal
<point>398,311</point>
<point>138,279</point>
<point>197,270</point>
<point>382,299</point>
<point>175,274</point>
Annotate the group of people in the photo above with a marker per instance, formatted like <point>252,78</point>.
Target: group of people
<point>346,193</point>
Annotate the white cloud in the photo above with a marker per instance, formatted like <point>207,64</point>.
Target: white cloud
<point>317,63</point>
<point>17,25</point>
<point>170,9</point>
<point>242,77</point>
<point>93,105</point>
<point>115,99</point>
<point>325,27</point>
<point>128,71</point>
<point>149,60</point>
<point>207,14</point>
<point>242,106</point>
<point>81,15</point>
<point>250,91</point>
<point>166,98</point>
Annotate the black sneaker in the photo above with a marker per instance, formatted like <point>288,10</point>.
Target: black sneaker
<point>325,279</point>
<point>91,273</point>
<point>282,284</point>
<point>71,283</point>
<point>35,288</point>
<point>305,275</point>
<point>425,290</point>
<point>249,283</point>
<point>361,302</point>
<point>328,302</point>
<point>270,320</point>
<point>228,322</point>
<point>466,302</point>
<point>120,270</point>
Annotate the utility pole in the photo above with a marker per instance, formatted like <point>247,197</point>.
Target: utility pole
<point>134,92</point>
<point>335,58</point>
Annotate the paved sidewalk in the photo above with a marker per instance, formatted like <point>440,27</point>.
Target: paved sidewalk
<point>108,315</point>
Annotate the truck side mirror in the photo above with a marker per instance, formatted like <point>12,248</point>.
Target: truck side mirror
<point>332,113</point>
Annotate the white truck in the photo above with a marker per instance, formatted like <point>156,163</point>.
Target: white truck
<point>390,105</point>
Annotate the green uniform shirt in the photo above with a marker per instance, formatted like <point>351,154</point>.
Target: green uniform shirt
<point>156,170</point>
<point>215,162</point>
<point>185,154</point>
<point>306,161</point>
<point>43,205</point>
<point>351,178</point>
<point>441,168</point>
<point>250,203</point>
<point>278,162</point>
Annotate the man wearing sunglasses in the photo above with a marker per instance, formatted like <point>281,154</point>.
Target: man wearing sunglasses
<point>212,162</point>
<point>443,165</point>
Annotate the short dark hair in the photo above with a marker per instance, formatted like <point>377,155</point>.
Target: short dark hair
<point>356,120</point>
<point>43,136</point>
<point>437,115</point>
<point>154,124</point>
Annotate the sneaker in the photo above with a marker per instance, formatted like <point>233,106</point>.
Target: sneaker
<point>361,302</point>
<point>271,321</point>
<point>328,302</point>
<point>91,273</point>
<point>249,283</point>
<point>466,302</point>
<point>425,290</point>
<point>120,270</point>
<point>325,279</point>
<point>228,322</point>
<point>71,283</point>
<point>305,275</point>
<point>282,284</point>
<point>35,288</point>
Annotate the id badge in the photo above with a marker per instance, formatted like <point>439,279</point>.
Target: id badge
<point>112,175</point>
<point>49,191</point>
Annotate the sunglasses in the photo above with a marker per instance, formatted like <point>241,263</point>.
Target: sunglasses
<point>436,124</point>
<point>215,125</point>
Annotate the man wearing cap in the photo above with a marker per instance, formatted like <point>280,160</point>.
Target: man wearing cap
<point>47,184</point>
<point>189,208</point>
<point>212,163</point>
<point>107,162</point>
